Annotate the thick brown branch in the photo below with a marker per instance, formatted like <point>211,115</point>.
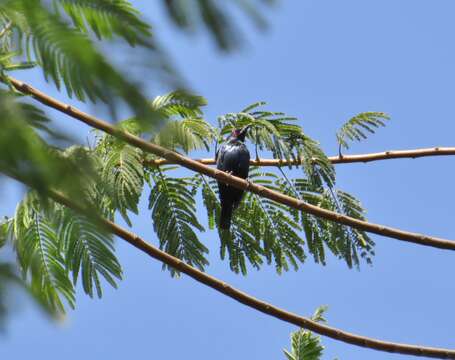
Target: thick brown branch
<point>229,179</point>
<point>345,159</point>
<point>247,299</point>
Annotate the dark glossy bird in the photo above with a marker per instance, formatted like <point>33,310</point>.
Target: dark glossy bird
<point>232,157</point>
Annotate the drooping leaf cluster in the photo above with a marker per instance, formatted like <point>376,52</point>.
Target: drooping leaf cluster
<point>62,36</point>
<point>262,230</point>
<point>55,36</point>
<point>56,247</point>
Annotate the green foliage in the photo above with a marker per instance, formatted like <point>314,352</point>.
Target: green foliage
<point>57,247</point>
<point>187,135</point>
<point>274,225</point>
<point>107,18</point>
<point>39,255</point>
<point>358,127</point>
<point>304,344</point>
<point>240,243</point>
<point>24,152</point>
<point>345,243</point>
<point>185,128</point>
<point>179,104</point>
<point>5,229</point>
<point>174,218</point>
<point>88,250</point>
<point>272,131</point>
<point>123,176</point>
<point>7,279</point>
<point>264,230</point>
<point>68,57</point>
<point>318,314</point>
<point>53,242</point>
<point>187,14</point>
<point>10,284</point>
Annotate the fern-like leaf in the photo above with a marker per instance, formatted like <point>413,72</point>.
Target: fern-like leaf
<point>187,134</point>
<point>275,226</point>
<point>239,243</point>
<point>179,103</point>
<point>38,250</point>
<point>357,127</point>
<point>88,250</point>
<point>274,131</point>
<point>123,176</point>
<point>68,57</point>
<point>304,346</point>
<point>320,234</point>
<point>107,18</point>
<point>174,218</point>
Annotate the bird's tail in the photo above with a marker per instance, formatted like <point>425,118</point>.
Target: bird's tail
<point>225,216</point>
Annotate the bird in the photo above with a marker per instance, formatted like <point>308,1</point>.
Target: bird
<point>232,157</point>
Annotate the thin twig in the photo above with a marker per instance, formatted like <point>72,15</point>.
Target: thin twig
<point>243,297</point>
<point>237,182</point>
<point>344,159</point>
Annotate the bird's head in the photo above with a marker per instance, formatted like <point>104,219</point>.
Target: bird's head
<point>240,134</point>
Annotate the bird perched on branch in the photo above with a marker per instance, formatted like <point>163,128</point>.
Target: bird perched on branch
<point>232,157</point>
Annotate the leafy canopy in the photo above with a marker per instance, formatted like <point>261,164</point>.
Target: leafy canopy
<point>56,248</point>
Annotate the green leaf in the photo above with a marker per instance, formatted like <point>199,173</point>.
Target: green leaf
<point>88,250</point>
<point>38,249</point>
<point>172,201</point>
<point>275,226</point>
<point>10,281</point>
<point>343,242</point>
<point>24,152</point>
<point>5,231</point>
<point>179,103</point>
<point>304,346</point>
<point>215,17</point>
<point>123,176</point>
<point>357,128</point>
<point>69,57</point>
<point>274,131</point>
<point>240,243</point>
<point>187,134</point>
<point>318,315</point>
<point>107,18</point>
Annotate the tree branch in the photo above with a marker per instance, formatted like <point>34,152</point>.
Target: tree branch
<point>344,159</point>
<point>237,182</point>
<point>245,298</point>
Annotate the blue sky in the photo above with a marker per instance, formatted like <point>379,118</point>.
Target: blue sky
<point>322,61</point>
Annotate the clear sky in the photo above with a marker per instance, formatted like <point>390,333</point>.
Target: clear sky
<point>322,61</point>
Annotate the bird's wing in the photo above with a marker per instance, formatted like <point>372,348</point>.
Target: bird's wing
<point>219,155</point>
